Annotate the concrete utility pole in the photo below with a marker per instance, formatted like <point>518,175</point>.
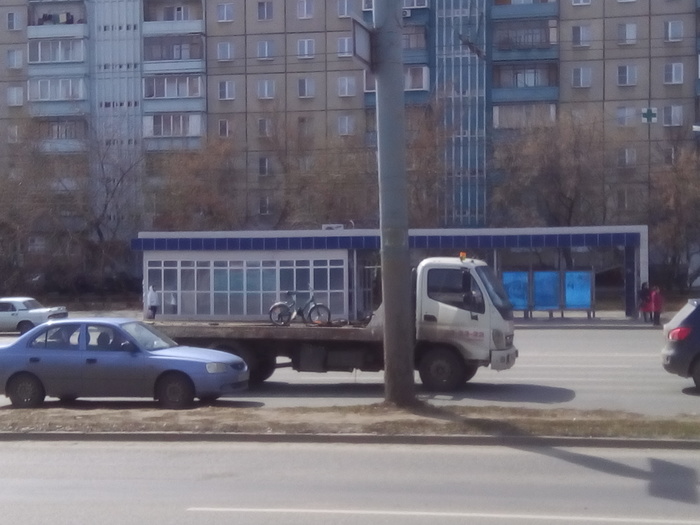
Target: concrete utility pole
<point>393,207</point>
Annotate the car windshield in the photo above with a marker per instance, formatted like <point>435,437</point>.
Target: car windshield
<point>147,337</point>
<point>32,304</point>
<point>496,292</point>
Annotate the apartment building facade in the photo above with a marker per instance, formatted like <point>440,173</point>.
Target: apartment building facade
<point>130,80</point>
<point>633,62</point>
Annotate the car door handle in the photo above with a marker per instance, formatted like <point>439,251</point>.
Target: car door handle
<point>430,318</point>
<point>34,359</point>
<point>91,361</point>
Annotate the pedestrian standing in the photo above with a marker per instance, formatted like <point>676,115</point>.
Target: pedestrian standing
<point>644,302</point>
<point>657,301</point>
<point>153,301</point>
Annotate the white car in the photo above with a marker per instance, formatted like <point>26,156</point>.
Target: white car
<point>21,314</point>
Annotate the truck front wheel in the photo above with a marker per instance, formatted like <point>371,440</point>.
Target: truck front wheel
<point>443,370</point>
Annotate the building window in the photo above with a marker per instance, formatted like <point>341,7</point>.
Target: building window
<point>626,75</point>
<point>172,86</point>
<point>305,9</point>
<point>56,89</point>
<point>13,21</point>
<point>673,115</point>
<point>304,127</point>
<point>13,134</point>
<point>265,10</point>
<point>266,88</point>
<point>346,125</point>
<point>224,128</point>
<point>673,31</point>
<point>580,2</point>
<point>264,127</point>
<point>581,36</point>
<point>413,37</point>
<point>370,82</point>
<point>306,48</point>
<point>343,8</point>
<point>227,90</point>
<point>673,73</point>
<point>265,50</point>
<point>306,87</point>
<point>626,34</point>
<point>264,167</point>
<point>224,51</point>
<point>172,125</point>
<point>346,87</point>
<point>176,13</point>
<point>626,157</point>
<point>518,116</point>
<point>264,206</point>
<point>581,77</point>
<point>416,78</point>
<point>344,46</point>
<point>224,12</point>
<point>626,116</point>
<point>46,51</point>
<point>14,59</point>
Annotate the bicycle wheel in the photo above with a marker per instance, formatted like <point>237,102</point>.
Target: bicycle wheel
<point>319,314</point>
<point>280,314</point>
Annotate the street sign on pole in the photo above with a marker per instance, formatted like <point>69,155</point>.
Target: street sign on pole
<point>362,43</point>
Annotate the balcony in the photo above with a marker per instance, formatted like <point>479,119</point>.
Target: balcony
<point>58,31</point>
<point>173,105</point>
<point>194,65</point>
<point>501,53</point>
<point>512,12</point>
<point>63,146</point>
<point>58,108</point>
<point>530,94</point>
<point>172,143</point>
<point>177,27</point>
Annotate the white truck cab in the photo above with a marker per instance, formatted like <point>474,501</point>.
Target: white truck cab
<point>464,320</point>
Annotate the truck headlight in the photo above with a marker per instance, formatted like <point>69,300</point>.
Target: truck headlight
<point>217,368</point>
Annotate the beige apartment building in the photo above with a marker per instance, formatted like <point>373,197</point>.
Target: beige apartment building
<point>635,63</point>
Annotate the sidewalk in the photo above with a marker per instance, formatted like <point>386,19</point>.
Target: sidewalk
<point>603,319</point>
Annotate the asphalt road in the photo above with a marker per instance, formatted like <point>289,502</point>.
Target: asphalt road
<point>289,484</point>
<point>577,368</point>
<point>571,368</point>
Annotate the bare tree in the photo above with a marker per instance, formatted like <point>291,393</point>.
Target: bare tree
<point>195,190</point>
<point>675,215</point>
<point>553,174</point>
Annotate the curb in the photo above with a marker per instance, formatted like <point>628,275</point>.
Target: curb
<point>359,439</point>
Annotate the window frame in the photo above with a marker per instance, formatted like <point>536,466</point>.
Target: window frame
<point>306,48</point>
<point>224,12</point>
<point>583,81</point>
<point>222,56</point>
<point>631,75</point>
<point>265,10</point>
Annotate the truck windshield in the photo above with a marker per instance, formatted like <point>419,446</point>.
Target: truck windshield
<point>496,292</point>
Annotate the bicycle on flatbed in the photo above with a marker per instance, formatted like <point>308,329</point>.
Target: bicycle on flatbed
<point>282,313</point>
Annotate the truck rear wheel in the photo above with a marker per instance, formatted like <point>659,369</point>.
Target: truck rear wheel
<point>443,370</point>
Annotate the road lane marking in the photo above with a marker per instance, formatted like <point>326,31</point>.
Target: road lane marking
<point>460,515</point>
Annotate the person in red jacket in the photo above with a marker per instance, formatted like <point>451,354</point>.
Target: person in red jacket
<point>657,302</point>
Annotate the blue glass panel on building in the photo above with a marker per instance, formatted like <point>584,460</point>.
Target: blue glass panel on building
<point>545,290</point>
<point>578,240</point>
<point>578,289</point>
<point>517,285</point>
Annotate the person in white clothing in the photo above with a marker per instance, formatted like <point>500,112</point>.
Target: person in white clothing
<point>152,301</point>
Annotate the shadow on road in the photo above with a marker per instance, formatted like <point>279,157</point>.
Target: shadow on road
<point>504,393</point>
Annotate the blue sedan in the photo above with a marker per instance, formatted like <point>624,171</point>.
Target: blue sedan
<point>113,357</point>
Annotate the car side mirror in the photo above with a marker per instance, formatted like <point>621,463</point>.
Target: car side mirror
<point>128,346</point>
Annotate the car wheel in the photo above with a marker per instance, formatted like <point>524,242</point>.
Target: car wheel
<point>175,391</point>
<point>442,370</point>
<point>696,374</point>
<point>25,391</point>
<point>24,326</point>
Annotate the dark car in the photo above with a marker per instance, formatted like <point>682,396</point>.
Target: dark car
<point>681,354</point>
